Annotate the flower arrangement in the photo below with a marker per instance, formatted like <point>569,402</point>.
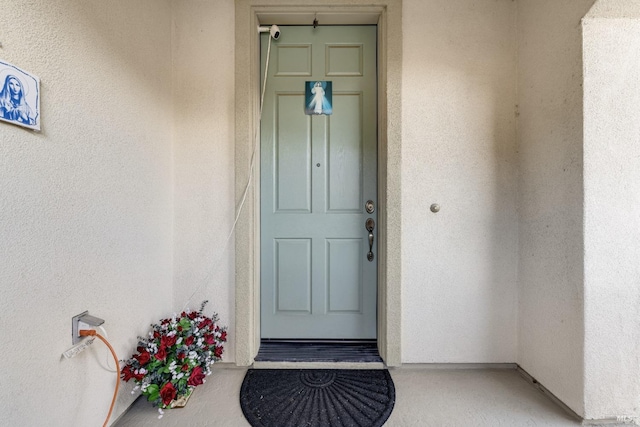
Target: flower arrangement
<point>176,357</point>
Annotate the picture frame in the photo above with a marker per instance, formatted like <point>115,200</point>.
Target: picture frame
<point>318,98</point>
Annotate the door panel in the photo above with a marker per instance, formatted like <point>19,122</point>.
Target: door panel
<point>345,155</point>
<point>293,275</point>
<point>293,59</point>
<point>344,257</point>
<point>344,60</point>
<point>292,157</point>
<point>317,172</point>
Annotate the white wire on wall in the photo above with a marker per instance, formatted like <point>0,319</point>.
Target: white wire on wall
<point>246,187</point>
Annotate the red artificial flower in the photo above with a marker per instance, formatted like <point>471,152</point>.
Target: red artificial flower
<point>217,352</point>
<point>181,356</point>
<point>197,377</point>
<point>167,341</point>
<point>204,323</point>
<point>168,393</point>
<point>223,336</point>
<point>156,334</point>
<point>193,315</point>
<point>189,340</point>
<point>185,367</point>
<point>143,358</point>
<point>179,328</point>
<point>209,339</point>
<point>161,354</point>
<point>126,373</point>
<point>138,376</point>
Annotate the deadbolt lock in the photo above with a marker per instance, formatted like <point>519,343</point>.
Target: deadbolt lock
<point>370,207</point>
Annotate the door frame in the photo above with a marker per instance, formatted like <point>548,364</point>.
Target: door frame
<point>249,14</point>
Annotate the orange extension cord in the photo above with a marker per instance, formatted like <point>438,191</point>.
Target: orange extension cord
<point>91,332</point>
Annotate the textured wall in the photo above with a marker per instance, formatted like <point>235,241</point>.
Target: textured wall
<point>612,209</point>
<point>203,97</point>
<point>459,265</point>
<point>85,205</point>
<point>550,310</point>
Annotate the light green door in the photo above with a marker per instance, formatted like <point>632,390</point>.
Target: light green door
<point>317,174</point>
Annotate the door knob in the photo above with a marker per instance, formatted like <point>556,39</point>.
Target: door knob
<point>370,225</point>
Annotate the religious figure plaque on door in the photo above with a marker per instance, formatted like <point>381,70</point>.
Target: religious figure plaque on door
<point>318,98</point>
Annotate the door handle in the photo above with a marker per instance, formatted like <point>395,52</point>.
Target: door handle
<point>370,224</point>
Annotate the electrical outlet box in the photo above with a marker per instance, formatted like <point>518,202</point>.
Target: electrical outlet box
<point>83,321</point>
<point>75,338</point>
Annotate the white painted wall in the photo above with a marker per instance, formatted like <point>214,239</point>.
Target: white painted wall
<point>122,204</point>
<point>203,97</point>
<point>459,265</point>
<point>85,205</point>
<point>550,309</point>
<point>612,209</point>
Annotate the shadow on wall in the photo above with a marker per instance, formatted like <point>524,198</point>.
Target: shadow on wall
<point>459,150</point>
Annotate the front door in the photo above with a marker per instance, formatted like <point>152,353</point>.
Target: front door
<point>318,171</point>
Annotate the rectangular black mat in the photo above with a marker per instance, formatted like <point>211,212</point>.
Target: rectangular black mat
<point>293,351</point>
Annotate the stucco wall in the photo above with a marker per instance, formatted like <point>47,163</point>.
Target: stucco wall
<point>203,96</point>
<point>550,277</point>
<point>459,265</point>
<point>612,209</point>
<point>85,205</point>
<point>137,103</point>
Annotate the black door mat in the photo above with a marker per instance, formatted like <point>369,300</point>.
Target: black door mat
<point>317,397</point>
<point>292,351</point>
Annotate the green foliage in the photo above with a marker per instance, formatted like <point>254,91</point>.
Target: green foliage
<point>176,356</point>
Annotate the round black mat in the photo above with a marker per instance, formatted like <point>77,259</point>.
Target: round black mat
<point>317,397</point>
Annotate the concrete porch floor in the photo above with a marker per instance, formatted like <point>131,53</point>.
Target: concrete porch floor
<point>425,396</point>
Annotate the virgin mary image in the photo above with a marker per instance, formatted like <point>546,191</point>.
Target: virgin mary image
<point>318,98</point>
<point>15,106</point>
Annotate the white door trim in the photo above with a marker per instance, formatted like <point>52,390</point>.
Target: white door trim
<point>249,14</point>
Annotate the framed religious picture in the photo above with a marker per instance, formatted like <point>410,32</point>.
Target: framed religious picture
<point>19,97</point>
<point>318,98</point>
